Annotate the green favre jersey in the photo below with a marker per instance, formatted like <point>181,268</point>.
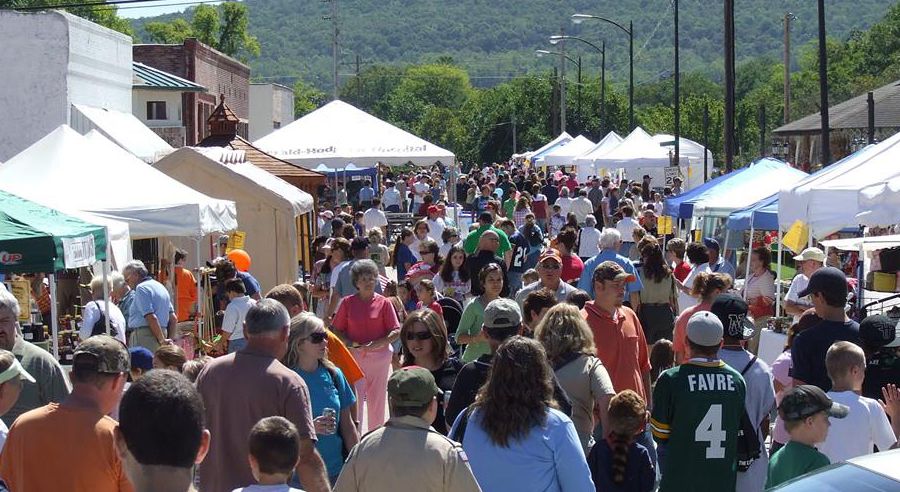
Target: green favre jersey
<point>697,410</point>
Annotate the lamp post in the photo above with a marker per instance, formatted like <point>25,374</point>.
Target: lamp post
<point>562,85</point>
<point>579,18</point>
<point>823,87</point>
<point>602,50</point>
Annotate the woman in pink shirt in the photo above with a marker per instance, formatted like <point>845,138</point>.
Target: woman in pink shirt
<point>367,323</point>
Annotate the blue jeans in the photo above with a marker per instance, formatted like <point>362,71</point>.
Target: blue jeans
<point>392,208</point>
<point>235,345</point>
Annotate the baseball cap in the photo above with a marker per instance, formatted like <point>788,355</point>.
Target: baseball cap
<point>419,269</point>
<point>223,239</point>
<point>711,243</point>
<point>826,279</point>
<point>328,214</point>
<point>359,243</point>
<point>16,370</point>
<point>647,176</point>
<point>550,254</point>
<point>704,329</point>
<point>879,331</point>
<point>610,270</point>
<point>102,353</point>
<point>412,386</point>
<point>502,313</point>
<point>811,254</point>
<point>677,178</point>
<point>731,309</point>
<point>807,400</point>
<point>141,358</point>
<point>434,210</point>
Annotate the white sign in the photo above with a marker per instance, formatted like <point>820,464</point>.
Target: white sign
<point>79,251</point>
<point>671,173</point>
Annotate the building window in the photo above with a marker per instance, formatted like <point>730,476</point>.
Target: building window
<point>276,124</point>
<point>156,110</point>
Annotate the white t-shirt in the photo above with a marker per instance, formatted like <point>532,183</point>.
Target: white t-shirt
<point>374,219</point>
<point>589,246</point>
<point>234,316</point>
<point>581,207</point>
<point>626,229</point>
<point>420,189</point>
<point>797,285</point>
<point>391,196</point>
<point>445,249</point>
<point>4,431</point>
<point>565,203</point>
<point>435,229</point>
<point>854,435</point>
<point>91,314</point>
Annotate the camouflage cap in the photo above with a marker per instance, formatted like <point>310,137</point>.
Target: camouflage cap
<point>102,353</point>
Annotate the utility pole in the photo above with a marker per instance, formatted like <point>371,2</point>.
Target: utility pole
<point>335,49</point>
<point>562,86</point>
<point>358,86</point>
<point>515,147</point>
<point>823,86</point>
<point>729,85</point>
<point>677,92</point>
<point>705,141</point>
<point>786,59</point>
<point>580,121</point>
<point>870,104</point>
<point>602,91</point>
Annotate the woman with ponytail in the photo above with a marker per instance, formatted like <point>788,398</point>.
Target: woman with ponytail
<point>618,463</point>
<point>707,285</point>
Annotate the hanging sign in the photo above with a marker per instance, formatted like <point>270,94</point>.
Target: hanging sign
<point>79,251</point>
<point>796,237</point>
<point>235,240</point>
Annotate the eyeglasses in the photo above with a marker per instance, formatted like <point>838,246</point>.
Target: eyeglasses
<point>317,337</point>
<point>551,266</point>
<point>419,335</point>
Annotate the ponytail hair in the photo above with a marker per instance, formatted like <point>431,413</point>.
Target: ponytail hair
<point>627,417</point>
<point>708,282</point>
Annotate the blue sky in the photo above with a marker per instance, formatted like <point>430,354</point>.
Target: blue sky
<point>163,7</point>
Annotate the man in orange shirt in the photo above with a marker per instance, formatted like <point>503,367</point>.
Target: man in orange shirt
<point>186,287</point>
<point>70,445</point>
<point>621,344</point>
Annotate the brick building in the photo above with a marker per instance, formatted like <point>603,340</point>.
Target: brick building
<point>203,65</point>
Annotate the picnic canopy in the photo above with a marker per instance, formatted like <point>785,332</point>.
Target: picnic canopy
<point>35,238</point>
<point>682,206</point>
<point>585,162</point>
<point>338,133</point>
<point>562,139</point>
<point>638,150</point>
<point>763,178</point>
<point>563,155</point>
<point>762,215</point>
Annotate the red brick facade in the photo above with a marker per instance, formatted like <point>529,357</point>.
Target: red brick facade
<point>219,73</point>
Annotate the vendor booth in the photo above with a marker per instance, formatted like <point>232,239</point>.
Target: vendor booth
<point>640,155</point>
<point>762,179</point>
<point>564,155</point>
<point>562,139</point>
<point>585,161</point>
<point>682,206</point>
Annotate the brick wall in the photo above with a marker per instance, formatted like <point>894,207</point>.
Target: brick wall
<point>173,135</point>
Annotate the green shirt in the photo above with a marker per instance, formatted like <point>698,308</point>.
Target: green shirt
<point>470,324</point>
<point>509,208</point>
<point>791,461</point>
<point>470,244</point>
<point>697,410</point>
<point>51,386</point>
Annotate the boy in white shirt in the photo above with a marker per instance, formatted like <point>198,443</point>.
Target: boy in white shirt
<point>867,424</point>
<point>233,323</point>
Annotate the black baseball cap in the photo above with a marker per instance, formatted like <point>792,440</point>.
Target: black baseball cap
<point>824,279</point>
<point>731,310</point>
<point>359,243</point>
<point>880,331</point>
<point>807,400</point>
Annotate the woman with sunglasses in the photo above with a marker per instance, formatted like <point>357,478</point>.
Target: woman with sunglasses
<point>424,341</point>
<point>307,355</point>
<point>367,323</point>
<point>469,331</point>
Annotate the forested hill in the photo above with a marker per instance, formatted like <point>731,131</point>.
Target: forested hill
<point>495,40</point>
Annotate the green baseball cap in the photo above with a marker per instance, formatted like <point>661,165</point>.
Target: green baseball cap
<point>412,386</point>
<point>102,353</point>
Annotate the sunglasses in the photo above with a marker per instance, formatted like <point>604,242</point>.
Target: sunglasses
<point>551,265</point>
<point>317,337</point>
<point>420,335</point>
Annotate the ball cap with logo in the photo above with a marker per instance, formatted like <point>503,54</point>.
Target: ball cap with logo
<point>705,329</point>
<point>880,331</point>
<point>610,270</point>
<point>826,279</point>
<point>731,309</point>
<point>807,400</point>
<point>102,353</point>
<point>412,386</point>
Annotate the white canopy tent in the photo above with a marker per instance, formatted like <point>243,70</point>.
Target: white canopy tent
<point>122,128</point>
<point>833,200</point>
<point>562,139</point>
<point>762,179</point>
<point>688,148</point>
<point>267,206</point>
<point>638,154</point>
<point>70,172</point>
<point>338,133</point>
<point>585,161</point>
<point>880,204</point>
<point>564,155</point>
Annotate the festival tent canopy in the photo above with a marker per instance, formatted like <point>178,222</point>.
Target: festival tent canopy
<point>562,139</point>
<point>338,133</point>
<point>585,162</point>
<point>688,148</point>
<point>880,204</point>
<point>682,206</point>
<point>67,171</point>
<point>35,238</point>
<point>834,199</point>
<point>564,155</point>
<point>638,150</point>
<point>762,215</point>
<point>122,128</point>
<point>763,178</point>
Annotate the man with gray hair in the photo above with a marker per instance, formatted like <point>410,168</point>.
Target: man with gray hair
<point>50,384</point>
<point>243,387</point>
<point>610,241</point>
<point>94,315</point>
<point>151,312</point>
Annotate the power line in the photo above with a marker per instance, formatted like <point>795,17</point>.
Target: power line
<point>76,5</point>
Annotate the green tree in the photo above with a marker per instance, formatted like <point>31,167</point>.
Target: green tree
<point>205,24</point>
<point>173,32</point>
<point>233,36</point>
<point>307,99</point>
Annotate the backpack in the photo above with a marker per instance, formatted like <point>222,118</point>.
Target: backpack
<point>748,439</point>
<point>99,327</point>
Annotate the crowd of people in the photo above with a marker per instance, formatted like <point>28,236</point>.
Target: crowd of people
<point>561,342</point>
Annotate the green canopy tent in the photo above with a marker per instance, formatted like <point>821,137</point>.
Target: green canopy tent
<point>38,239</point>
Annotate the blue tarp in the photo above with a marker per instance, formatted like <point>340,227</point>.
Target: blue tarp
<point>764,213</point>
<point>679,207</point>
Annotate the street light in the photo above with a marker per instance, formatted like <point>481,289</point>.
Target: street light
<point>562,85</point>
<point>579,18</point>
<point>602,50</point>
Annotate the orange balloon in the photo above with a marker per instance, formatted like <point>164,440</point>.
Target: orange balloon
<point>240,258</point>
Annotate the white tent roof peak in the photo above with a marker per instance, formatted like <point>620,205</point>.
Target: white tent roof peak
<point>124,129</point>
<point>338,133</point>
<point>638,150</point>
<point>562,139</point>
<point>565,154</point>
<point>607,143</point>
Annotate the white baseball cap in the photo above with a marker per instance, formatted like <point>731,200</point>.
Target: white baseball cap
<point>811,254</point>
<point>705,329</point>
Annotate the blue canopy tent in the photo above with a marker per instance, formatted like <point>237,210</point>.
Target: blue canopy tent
<point>682,207</point>
<point>761,215</point>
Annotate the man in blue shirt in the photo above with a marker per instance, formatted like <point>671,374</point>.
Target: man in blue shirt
<point>151,311</point>
<point>610,241</point>
<point>717,263</point>
<point>366,194</point>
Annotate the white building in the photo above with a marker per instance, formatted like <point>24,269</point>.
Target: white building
<point>51,60</point>
<point>158,102</point>
<point>271,107</point>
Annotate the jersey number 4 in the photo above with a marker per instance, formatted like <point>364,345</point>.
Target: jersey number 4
<point>710,430</point>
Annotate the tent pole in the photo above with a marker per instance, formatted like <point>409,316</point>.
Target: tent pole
<point>54,317</point>
<point>106,291</point>
<point>778,278</point>
<point>200,319</point>
<point>725,248</point>
<point>451,188</point>
<point>749,256</point>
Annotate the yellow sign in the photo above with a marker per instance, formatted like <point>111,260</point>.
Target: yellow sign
<point>698,235</point>
<point>796,237</point>
<point>236,240</point>
<point>21,288</point>
<point>664,225</point>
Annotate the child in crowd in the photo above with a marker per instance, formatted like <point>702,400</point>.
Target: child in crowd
<point>867,424</point>
<point>427,296</point>
<point>171,357</point>
<point>618,463</point>
<point>274,452</point>
<point>805,410</point>
<point>191,369</point>
<point>781,369</point>
<point>530,276</point>
<point>662,357</point>
<point>557,221</point>
<point>141,362</point>
<point>578,298</point>
<point>233,322</point>
<point>378,252</point>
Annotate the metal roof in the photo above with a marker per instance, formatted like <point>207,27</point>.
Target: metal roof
<point>145,76</point>
<point>853,113</point>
